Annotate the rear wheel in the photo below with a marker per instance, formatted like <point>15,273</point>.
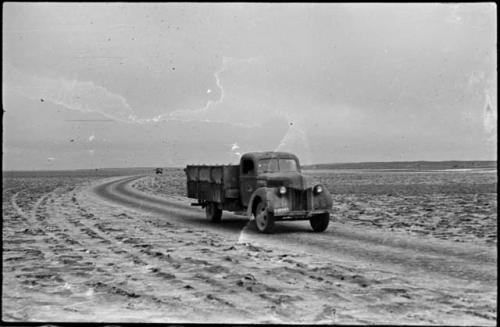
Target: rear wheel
<point>263,218</point>
<point>213,212</point>
<point>319,223</point>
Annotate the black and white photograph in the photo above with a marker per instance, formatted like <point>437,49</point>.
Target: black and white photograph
<point>249,163</point>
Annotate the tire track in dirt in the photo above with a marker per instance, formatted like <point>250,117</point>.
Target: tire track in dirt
<point>17,208</point>
<point>60,256</point>
<point>53,244</point>
<point>119,192</point>
<point>31,253</point>
<point>92,235</point>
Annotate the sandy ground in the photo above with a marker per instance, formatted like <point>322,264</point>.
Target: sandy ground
<point>98,250</point>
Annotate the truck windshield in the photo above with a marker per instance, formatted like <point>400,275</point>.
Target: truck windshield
<point>275,165</point>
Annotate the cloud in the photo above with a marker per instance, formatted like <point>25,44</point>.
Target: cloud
<point>209,112</point>
<point>87,96</point>
<point>84,96</point>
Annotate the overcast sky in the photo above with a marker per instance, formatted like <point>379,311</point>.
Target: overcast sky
<point>117,85</point>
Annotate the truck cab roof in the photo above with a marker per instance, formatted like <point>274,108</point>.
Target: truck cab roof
<point>269,155</point>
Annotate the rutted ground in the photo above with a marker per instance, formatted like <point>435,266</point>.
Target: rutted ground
<point>72,256</point>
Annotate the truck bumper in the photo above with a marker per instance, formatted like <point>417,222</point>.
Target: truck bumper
<point>298,215</point>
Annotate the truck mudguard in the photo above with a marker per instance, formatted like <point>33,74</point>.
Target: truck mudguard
<point>265,194</point>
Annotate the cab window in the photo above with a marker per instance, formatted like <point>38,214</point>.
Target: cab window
<point>247,166</point>
<point>277,165</point>
<point>288,165</point>
<point>268,165</point>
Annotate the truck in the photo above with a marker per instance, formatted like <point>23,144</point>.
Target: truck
<point>265,186</point>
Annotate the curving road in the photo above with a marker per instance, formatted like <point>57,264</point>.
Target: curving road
<point>420,259</point>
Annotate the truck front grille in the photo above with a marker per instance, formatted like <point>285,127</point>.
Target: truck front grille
<point>299,200</point>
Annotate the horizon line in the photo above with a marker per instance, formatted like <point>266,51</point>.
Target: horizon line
<point>307,165</point>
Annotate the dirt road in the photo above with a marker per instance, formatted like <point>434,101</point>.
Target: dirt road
<point>104,251</point>
<point>410,256</point>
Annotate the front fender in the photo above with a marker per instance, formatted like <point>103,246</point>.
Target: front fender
<point>323,200</point>
<point>266,194</point>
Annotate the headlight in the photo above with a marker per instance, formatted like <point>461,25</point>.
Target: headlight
<point>282,190</point>
<point>318,189</point>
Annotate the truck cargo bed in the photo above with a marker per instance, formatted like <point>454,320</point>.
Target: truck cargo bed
<point>213,183</point>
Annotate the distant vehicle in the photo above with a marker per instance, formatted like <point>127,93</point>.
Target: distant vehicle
<point>266,185</point>
<point>159,171</point>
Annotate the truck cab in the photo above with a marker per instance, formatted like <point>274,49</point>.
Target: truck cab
<point>263,169</point>
<point>272,187</point>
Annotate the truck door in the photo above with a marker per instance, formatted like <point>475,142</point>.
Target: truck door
<point>248,180</point>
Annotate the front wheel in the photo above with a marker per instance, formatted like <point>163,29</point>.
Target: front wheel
<point>319,223</point>
<point>263,218</point>
<point>214,214</point>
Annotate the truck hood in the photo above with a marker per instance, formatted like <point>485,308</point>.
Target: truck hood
<point>293,180</point>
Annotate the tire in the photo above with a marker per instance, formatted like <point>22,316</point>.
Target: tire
<point>264,220</point>
<point>319,223</point>
<point>214,214</point>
